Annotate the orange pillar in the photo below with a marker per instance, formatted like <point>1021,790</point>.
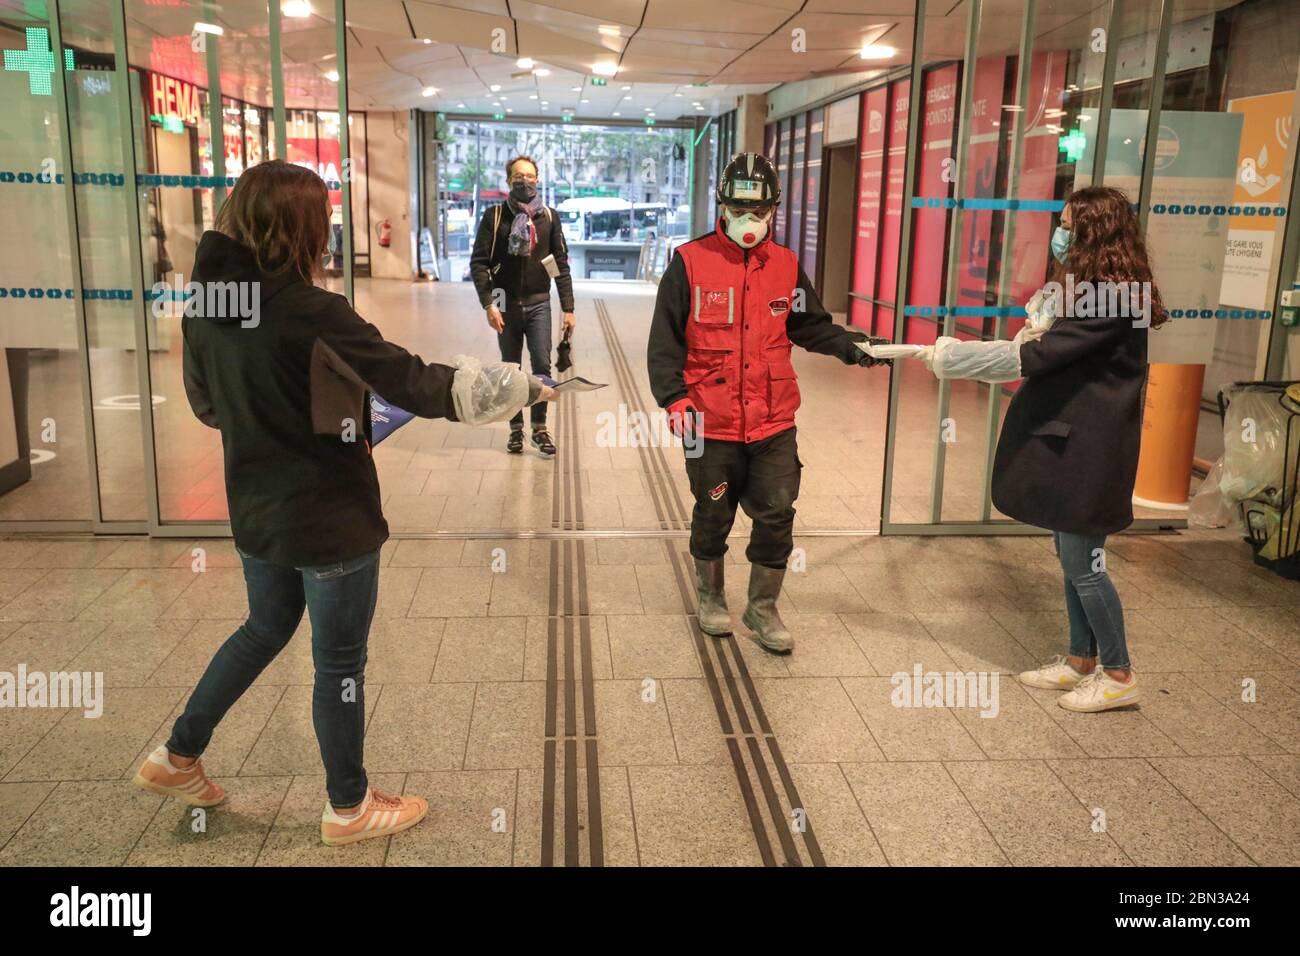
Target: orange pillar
<point>1173,405</point>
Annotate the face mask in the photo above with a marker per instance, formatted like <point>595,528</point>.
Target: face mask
<point>746,230</point>
<point>1061,240</point>
<point>523,191</point>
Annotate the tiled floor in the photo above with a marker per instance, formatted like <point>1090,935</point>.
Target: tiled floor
<point>542,734</point>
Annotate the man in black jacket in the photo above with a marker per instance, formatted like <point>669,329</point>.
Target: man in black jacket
<point>518,249</point>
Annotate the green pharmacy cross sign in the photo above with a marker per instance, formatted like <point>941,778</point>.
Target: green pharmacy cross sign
<point>36,61</point>
<point>1072,145</point>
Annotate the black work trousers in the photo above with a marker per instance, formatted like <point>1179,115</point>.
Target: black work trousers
<point>763,478</point>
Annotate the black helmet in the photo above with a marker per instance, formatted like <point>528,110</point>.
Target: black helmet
<point>749,181</point>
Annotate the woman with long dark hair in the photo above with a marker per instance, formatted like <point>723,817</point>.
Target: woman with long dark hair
<point>1067,455</point>
<point>285,369</point>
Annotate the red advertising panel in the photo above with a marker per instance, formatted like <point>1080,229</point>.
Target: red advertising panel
<point>933,180</point>
<point>812,192</point>
<point>1030,246</point>
<point>302,152</point>
<point>783,176</point>
<point>895,167</point>
<point>798,169</point>
<point>866,226</point>
<point>976,285</point>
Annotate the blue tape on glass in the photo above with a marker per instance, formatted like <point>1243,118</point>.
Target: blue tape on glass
<point>34,292</point>
<point>1014,311</point>
<point>1056,205</point>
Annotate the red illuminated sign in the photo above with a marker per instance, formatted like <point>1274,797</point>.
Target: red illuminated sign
<point>173,97</point>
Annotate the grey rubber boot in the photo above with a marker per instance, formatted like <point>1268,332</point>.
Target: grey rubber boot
<point>715,619</point>
<point>760,616</point>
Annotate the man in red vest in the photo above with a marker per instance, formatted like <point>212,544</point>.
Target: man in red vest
<point>729,307</point>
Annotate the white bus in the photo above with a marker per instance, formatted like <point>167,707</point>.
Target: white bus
<point>586,218</point>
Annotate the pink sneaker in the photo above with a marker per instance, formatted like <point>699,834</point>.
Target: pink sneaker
<point>189,784</point>
<point>379,815</point>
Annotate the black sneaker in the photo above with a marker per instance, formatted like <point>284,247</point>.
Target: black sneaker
<point>542,440</point>
<point>515,443</point>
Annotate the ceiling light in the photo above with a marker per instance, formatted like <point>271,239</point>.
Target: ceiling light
<point>460,106</point>
<point>212,28</point>
<point>605,68</point>
<point>427,40</point>
<point>617,113</point>
<point>584,100</point>
<point>546,102</point>
<point>541,71</point>
<point>510,109</point>
<point>627,86</point>
<point>332,76</point>
<point>532,96</point>
<point>494,87</point>
<point>524,63</point>
<point>295,8</point>
<point>575,89</point>
<point>606,30</point>
<point>428,91</point>
<point>876,51</point>
<point>678,94</point>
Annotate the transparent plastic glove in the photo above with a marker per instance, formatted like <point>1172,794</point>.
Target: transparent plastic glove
<point>488,393</point>
<point>996,361</point>
<point>1042,310</point>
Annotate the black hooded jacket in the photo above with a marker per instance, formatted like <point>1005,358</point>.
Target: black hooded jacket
<point>285,378</point>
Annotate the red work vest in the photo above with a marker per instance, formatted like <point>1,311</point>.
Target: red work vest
<point>738,372</point>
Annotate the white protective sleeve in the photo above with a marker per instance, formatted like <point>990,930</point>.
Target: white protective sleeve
<point>487,393</point>
<point>996,361</point>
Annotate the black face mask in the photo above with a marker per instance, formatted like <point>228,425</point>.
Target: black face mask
<point>523,191</point>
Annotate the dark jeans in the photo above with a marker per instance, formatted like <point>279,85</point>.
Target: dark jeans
<point>340,600</point>
<point>1091,601</point>
<point>763,478</point>
<point>534,323</point>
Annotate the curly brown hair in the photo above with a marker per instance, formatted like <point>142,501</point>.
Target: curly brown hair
<point>1108,245</point>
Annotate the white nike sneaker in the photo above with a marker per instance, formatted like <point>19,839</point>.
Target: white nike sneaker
<point>1058,675</point>
<point>1099,691</point>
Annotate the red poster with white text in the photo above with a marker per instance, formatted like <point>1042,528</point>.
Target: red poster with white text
<point>866,226</point>
<point>975,284</point>
<point>892,216</point>
<point>933,181</point>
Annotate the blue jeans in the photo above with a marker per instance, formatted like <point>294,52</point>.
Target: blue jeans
<point>340,599</point>
<point>1091,601</point>
<point>534,323</point>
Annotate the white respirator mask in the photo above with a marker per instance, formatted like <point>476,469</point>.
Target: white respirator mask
<point>746,230</point>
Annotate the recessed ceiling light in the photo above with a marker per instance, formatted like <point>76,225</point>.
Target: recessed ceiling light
<point>541,71</point>
<point>605,68</point>
<point>575,89</point>
<point>678,94</point>
<point>427,40</point>
<point>627,86</point>
<point>332,76</point>
<point>873,51</point>
<point>546,102</point>
<point>617,113</point>
<point>510,109</point>
<point>428,91</point>
<point>524,63</point>
<point>211,28</point>
<point>584,100</point>
<point>460,106</point>
<point>494,87</point>
<point>608,31</point>
<point>646,108</point>
<point>295,8</point>
<point>532,96</point>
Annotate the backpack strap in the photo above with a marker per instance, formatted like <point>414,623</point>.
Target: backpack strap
<point>496,227</point>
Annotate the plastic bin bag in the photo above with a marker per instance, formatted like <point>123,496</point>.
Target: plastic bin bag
<point>1208,507</point>
<point>1254,439</point>
<point>487,393</point>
